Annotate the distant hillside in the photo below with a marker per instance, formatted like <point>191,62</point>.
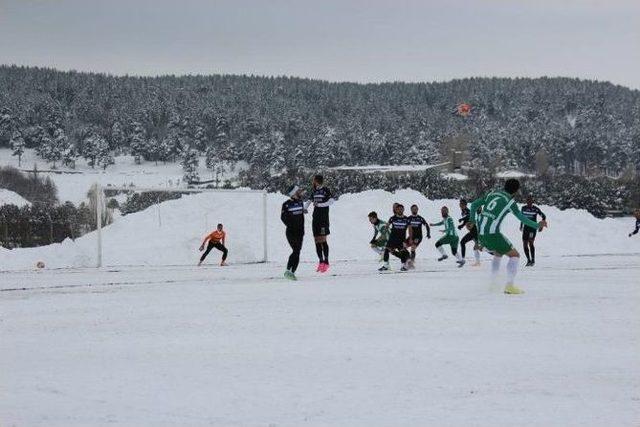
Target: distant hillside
<point>287,123</point>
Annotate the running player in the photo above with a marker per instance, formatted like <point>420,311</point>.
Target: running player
<point>416,221</point>
<point>531,211</point>
<point>216,240</point>
<point>450,237</point>
<point>380,234</point>
<point>495,206</point>
<point>292,216</point>
<point>321,199</point>
<point>472,233</point>
<point>399,226</point>
<point>637,215</point>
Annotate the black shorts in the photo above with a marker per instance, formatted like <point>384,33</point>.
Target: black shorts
<point>529,233</point>
<point>396,244</point>
<point>417,240</point>
<point>320,229</point>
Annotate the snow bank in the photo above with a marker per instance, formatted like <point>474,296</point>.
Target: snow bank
<point>170,233</point>
<point>8,197</point>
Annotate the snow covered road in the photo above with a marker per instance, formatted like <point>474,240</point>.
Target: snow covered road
<point>239,346</point>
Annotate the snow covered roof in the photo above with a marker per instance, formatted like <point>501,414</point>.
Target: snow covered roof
<point>455,175</point>
<point>8,197</point>
<point>514,174</point>
<point>389,168</point>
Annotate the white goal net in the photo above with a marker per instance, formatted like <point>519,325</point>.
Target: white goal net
<point>165,227</point>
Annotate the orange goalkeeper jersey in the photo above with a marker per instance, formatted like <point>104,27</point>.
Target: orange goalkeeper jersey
<point>215,237</point>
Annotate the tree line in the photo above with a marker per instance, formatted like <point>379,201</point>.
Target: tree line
<point>281,124</point>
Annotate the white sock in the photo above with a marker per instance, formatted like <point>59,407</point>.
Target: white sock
<point>476,253</point>
<point>459,256</point>
<point>495,265</point>
<point>512,269</point>
<point>441,250</point>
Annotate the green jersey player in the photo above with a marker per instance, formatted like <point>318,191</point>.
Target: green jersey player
<point>450,237</point>
<point>380,234</point>
<point>496,205</point>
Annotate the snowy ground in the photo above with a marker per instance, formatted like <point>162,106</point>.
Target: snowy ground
<point>75,184</point>
<point>240,346</point>
<point>154,344</point>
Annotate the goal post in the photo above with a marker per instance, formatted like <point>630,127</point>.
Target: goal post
<point>244,210</point>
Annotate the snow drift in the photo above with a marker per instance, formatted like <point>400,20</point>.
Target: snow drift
<point>170,233</point>
<point>8,197</point>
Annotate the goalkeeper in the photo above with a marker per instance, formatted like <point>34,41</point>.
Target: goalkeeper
<point>216,240</point>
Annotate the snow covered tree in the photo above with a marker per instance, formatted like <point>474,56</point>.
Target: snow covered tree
<point>48,150</point>
<point>104,156</point>
<point>200,138</point>
<point>17,145</point>
<point>96,150</point>
<point>137,141</point>
<point>190,165</point>
<point>211,159</point>
<point>118,137</point>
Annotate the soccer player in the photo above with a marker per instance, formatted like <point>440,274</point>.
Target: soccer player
<point>399,226</point>
<point>380,234</point>
<point>216,240</point>
<point>450,237</point>
<point>321,199</point>
<point>292,216</point>
<point>495,207</point>
<point>637,215</point>
<point>531,211</point>
<point>471,235</point>
<point>416,221</point>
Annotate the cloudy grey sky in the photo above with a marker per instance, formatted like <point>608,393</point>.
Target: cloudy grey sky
<point>339,40</point>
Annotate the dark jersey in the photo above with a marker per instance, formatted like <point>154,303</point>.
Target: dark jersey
<point>416,222</point>
<point>322,199</point>
<point>292,215</point>
<point>398,226</point>
<point>466,213</point>
<point>532,212</point>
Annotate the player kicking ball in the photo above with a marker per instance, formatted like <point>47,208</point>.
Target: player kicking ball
<point>496,205</point>
<point>216,240</point>
<point>450,237</point>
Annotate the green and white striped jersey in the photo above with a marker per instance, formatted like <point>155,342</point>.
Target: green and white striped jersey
<point>381,231</point>
<point>449,226</point>
<point>495,207</point>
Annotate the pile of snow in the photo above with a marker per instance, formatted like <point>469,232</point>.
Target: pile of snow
<point>8,197</point>
<point>170,233</point>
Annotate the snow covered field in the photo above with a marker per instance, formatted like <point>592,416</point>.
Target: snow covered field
<point>240,346</point>
<point>153,340</point>
<point>73,186</point>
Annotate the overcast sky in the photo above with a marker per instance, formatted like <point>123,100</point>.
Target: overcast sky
<point>338,40</point>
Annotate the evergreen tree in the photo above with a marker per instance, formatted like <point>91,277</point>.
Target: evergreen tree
<point>104,156</point>
<point>137,141</point>
<point>17,145</point>
<point>190,164</point>
<point>118,136</point>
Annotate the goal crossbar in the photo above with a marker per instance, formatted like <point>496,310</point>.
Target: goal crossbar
<point>100,202</point>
